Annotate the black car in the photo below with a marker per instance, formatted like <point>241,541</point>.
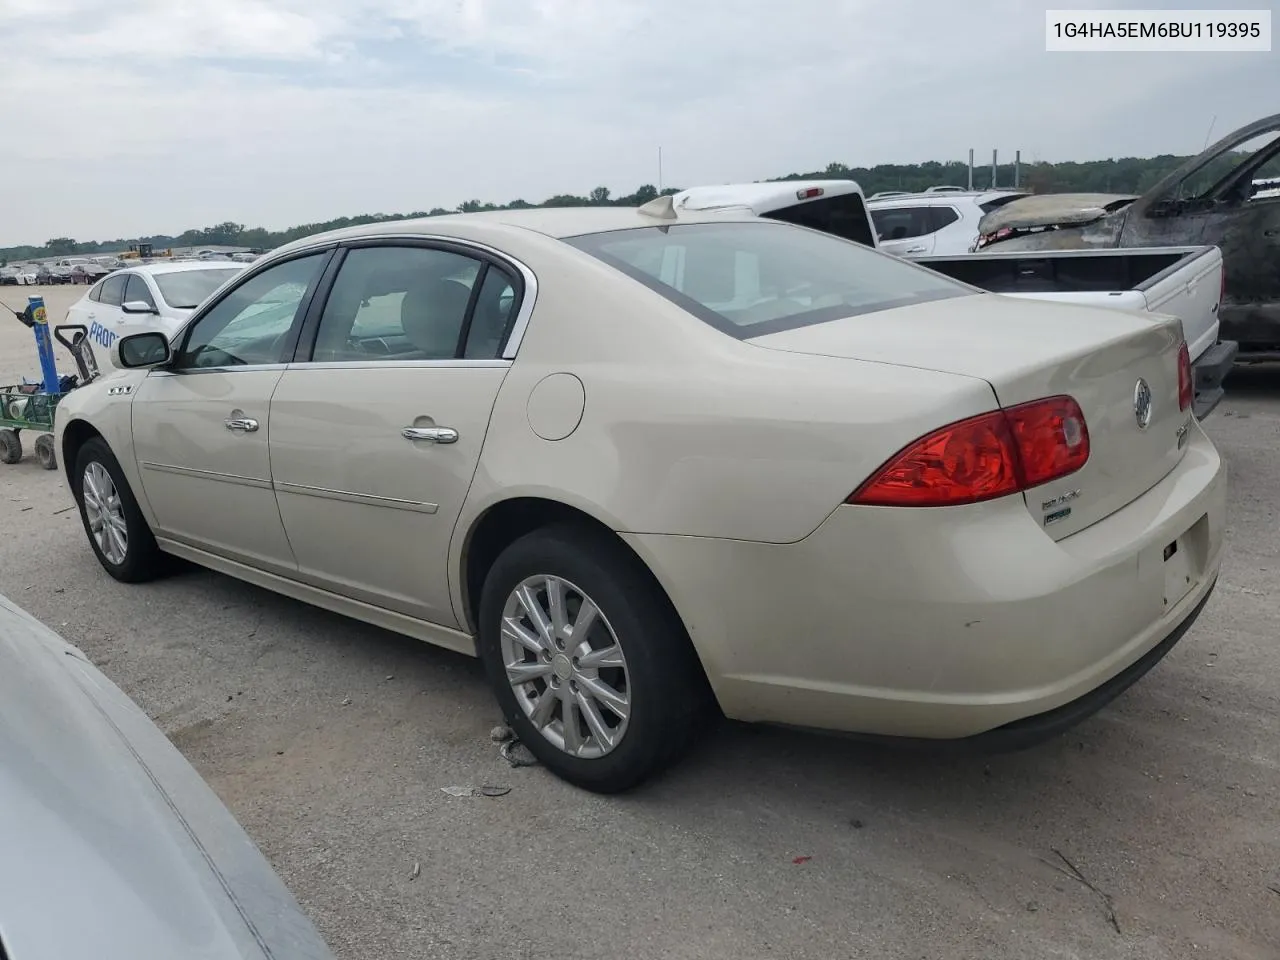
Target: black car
<point>50,274</point>
<point>88,272</point>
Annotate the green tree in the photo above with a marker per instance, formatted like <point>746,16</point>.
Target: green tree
<point>1122,175</point>
<point>60,246</point>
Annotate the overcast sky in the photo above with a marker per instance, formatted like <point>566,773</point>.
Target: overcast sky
<point>132,117</point>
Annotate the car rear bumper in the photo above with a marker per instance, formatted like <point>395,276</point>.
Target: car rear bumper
<point>946,623</point>
<point>1208,372</point>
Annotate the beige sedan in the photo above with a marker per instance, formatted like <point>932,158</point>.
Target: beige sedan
<point>647,464</point>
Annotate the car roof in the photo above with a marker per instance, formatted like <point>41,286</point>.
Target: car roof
<point>556,222</point>
<point>184,265</point>
<point>942,198</point>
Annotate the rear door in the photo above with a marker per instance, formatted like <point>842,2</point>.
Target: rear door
<point>951,232</point>
<point>104,319</point>
<point>905,231</point>
<point>376,433</point>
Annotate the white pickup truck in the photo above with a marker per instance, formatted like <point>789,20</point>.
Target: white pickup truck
<point>1185,282</point>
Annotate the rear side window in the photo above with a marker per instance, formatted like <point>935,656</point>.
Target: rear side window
<point>901,223</point>
<point>113,290</point>
<point>940,217</point>
<point>751,278</point>
<point>96,293</point>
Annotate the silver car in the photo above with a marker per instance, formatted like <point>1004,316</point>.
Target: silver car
<point>112,845</point>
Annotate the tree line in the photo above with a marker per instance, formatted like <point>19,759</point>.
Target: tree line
<point>1125,175</point>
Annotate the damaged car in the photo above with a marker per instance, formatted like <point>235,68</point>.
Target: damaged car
<point>1228,196</point>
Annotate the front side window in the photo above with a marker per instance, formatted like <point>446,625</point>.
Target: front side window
<point>752,278</point>
<point>1230,177</point>
<point>413,303</point>
<point>138,292</point>
<point>249,325</point>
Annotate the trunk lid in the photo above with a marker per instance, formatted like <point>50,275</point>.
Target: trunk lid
<point>1028,351</point>
<point>1052,210</point>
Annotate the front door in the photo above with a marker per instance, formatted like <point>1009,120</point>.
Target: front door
<point>201,425</point>
<point>375,439</point>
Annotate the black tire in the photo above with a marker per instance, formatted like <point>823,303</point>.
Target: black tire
<point>45,454</point>
<point>10,446</point>
<point>143,560</point>
<point>665,684</point>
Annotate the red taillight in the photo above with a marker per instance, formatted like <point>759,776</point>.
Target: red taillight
<point>984,457</point>
<point>1186,390</point>
<point>809,193</point>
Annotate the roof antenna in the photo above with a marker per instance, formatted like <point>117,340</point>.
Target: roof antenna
<point>661,208</point>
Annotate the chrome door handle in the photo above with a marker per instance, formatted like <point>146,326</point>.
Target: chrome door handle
<point>915,249</point>
<point>431,434</point>
<point>247,424</point>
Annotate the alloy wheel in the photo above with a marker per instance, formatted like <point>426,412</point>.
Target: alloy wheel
<point>105,513</point>
<point>565,666</point>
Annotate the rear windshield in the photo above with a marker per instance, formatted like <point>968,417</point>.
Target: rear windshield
<point>188,288</point>
<point>999,202</point>
<point>752,278</point>
<point>844,216</point>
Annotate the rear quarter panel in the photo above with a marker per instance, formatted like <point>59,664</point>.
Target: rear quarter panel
<point>686,430</point>
<point>1192,293</point>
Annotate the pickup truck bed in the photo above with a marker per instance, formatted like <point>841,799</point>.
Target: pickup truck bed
<point>1184,282</point>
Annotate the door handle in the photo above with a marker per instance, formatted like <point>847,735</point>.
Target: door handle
<point>431,434</point>
<point>915,249</point>
<point>247,424</point>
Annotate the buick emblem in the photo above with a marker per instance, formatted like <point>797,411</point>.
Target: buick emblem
<point>1142,403</point>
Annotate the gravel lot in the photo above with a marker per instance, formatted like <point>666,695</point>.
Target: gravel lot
<point>331,741</point>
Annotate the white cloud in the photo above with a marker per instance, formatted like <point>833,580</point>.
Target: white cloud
<point>158,115</point>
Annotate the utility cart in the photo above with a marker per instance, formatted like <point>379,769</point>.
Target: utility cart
<point>31,406</point>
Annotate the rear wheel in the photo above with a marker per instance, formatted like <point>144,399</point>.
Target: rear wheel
<point>591,666</point>
<point>10,446</point>
<point>45,453</point>
<point>116,528</point>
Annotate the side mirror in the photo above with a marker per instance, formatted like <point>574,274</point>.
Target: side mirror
<point>138,306</point>
<point>148,349</point>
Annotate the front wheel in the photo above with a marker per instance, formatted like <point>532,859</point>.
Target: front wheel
<point>117,530</point>
<point>591,666</point>
<point>10,446</point>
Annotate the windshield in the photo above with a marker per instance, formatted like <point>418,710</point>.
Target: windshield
<point>1258,158</point>
<point>186,289</point>
<point>748,279</point>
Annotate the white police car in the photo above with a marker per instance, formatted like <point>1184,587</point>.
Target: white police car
<point>152,296</point>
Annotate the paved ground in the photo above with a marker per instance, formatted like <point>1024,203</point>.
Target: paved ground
<point>331,742</point>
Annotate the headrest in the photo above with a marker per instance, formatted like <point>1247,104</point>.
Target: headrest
<point>432,313</point>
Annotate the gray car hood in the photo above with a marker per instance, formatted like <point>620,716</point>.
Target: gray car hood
<point>111,846</point>
<point>1053,209</point>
